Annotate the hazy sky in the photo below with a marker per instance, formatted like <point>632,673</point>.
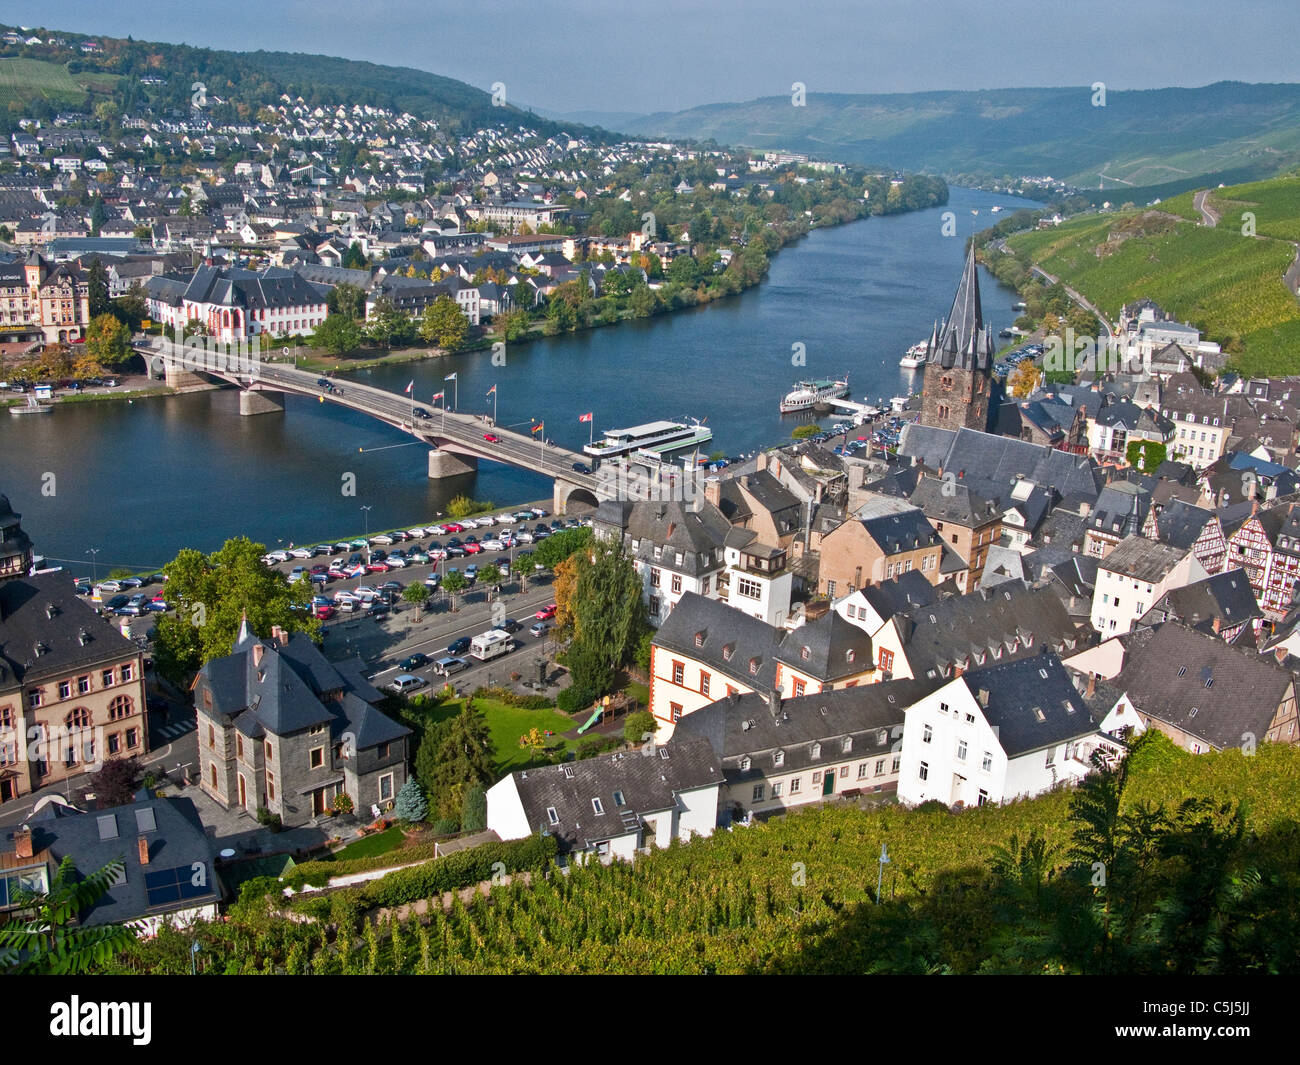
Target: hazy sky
<point>607,55</point>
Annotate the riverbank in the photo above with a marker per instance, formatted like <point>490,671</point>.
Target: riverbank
<point>145,391</point>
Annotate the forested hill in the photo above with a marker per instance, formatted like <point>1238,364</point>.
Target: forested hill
<point>1230,131</point>
<point>246,80</point>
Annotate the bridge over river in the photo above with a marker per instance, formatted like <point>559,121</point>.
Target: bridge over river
<point>457,441</point>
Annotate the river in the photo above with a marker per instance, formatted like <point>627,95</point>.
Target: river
<point>138,481</point>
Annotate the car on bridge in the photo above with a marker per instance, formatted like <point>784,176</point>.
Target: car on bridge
<point>322,383</point>
<point>421,413</point>
<point>492,438</point>
<point>581,467</point>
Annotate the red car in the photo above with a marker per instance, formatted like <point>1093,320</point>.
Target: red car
<point>546,613</point>
<point>377,567</point>
<point>455,527</point>
<point>324,612</point>
<point>492,438</point>
<point>473,548</point>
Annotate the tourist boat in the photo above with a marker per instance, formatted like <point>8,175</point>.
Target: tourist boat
<point>808,394</point>
<point>915,356</point>
<point>995,210</point>
<point>660,437</point>
<point>30,407</point>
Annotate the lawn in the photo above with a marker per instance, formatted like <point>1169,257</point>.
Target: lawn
<point>368,846</point>
<point>505,725</point>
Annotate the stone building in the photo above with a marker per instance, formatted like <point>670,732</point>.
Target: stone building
<point>959,362</point>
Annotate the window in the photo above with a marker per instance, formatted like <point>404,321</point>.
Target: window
<point>986,763</point>
<point>114,744</point>
<point>898,760</point>
<point>983,797</point>
<point>654,606</point>
<point>799,687</point>
<point>213,774</point>
<point>618,799</point>
<point>106,678</point>
<point>846,744</point>
<point>844,771</point>
<point>924,771</point>
<point>794,785</point>
<point>816,750</point>
<point>862,770</point>
<point>676,711</point>
<point>239,745</point>
<point>677,583</point>
<point>654,577</point>
<point>132,738</point>
<point>745,763</point>
<point>317,757</point>
<point>758,793</point>
<point>65,689</point>
<point>78,718</point>
<point>778,759</point>
<point>753,665</point>
<point>961,750</point>
<point>817,778</point>
<point>749,589</point>
<point>704,585</point>
<point>776,790</point>
<point>83,685</point>
<point>34,698</point>
<point>805,652</point>
<point>704,683</point>
<point>927,735</point>
<point>886,660</point>
<point>597,806</point>
<point>679,673</point>
<point>386,787</point>
<point>552,816</point>
<point>270,785</point>
<point>1051,756</point>
<point>970,719</point>
<point>119,707</point>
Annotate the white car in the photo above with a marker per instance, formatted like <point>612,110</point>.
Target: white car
<point>345,597</point>
<point>277,556</point>
<point>492,545</point>
<point>416,533</point>
<point>524,536</point>
<point>471,523</point>
<point>505,519</point>
<point>399,562</point>
<point>382,538</point>
<point>437,554</point>
<point>300,552</point>
<point>436,530</point>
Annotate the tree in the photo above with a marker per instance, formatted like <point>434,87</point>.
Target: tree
<point>639,726</point>
<point>559,546</point>
<point>417,594</point>
<point>212,594</point>
<point>473,810</point>
<point>354,258</point>
<point>338,334</point>
<point>388,326</point>
<point>491,575</point>
<point>608,612</point>
<point>563,587</point>
<point>97,282</point>
<point>46,938</point>
<point>453,583</point>
<point>117,781</point>
<point>108,341</point>
<point>411,805</point>
<point>132,309</point>
<point>454,757</point>
<point>514,325</point>
<point>642,302</point>
<point>1145,455</point>
<point>346,299</point>
<point>443,324</point>
<point>803,432</point>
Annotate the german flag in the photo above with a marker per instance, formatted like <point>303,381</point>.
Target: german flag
<point>538,427</point>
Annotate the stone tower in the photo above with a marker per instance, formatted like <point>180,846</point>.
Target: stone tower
<point>15,547</point>
<point>959,362</point>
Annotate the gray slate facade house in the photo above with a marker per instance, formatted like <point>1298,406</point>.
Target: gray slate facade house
<point>1119,512</point>
<point>821,654</point>
<point>1205,694</point>
<point>169,872</point>
<point>958,379</point>
<point>282,727</point>
<point>777,753</point>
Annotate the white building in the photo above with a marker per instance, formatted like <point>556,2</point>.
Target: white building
<point>1010,731</point>
<point>614,805</point>
<point>1133,577</point>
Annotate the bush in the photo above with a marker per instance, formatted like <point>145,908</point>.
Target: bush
<point>575,698</point>
<point>639,726</point>
<point>342,803</point>
<point>591,746</point>
<point>445,826</point>
<point>932,806</point>
<point>473,816</point>
<point>268,819</point>
<point>505,695</point>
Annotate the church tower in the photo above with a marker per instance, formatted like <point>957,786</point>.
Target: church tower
<point>15,547</point>
<point>959,362</point>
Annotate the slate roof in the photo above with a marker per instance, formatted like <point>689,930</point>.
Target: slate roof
<point>964,340</point>
<point>1181,524</point>
<point>741,726</point>
<point>730,640</point>
<point>1032,704</point>
<point>648,784</point>
<point>1201,685</point>
<point>1226,597</point>
<point>953,502</point>
<point>903,530</point>
<point>26,606</point>
<point>1120,509</point>
<point>836,648</point>
<point>176,841</point>
<point>964,627</point>
<point>1143,559</point>
<point>904,592</point>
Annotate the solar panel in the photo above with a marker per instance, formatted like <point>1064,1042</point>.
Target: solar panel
<point>165,886</point>
<point>145,821</point>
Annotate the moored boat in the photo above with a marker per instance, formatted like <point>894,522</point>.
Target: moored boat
<point>808,394</point>
<point>915,356</point>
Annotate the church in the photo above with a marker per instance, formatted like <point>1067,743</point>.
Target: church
<point>957,389</point>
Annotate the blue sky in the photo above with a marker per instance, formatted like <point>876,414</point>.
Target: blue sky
<point>603,55</point>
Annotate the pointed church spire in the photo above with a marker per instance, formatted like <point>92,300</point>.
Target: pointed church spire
<point>244,635</point>
<point>964,338</point>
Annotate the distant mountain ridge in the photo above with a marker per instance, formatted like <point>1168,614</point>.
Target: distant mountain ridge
<point>1145,139</point>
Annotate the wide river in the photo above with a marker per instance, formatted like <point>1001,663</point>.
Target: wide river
<point>139,481</point>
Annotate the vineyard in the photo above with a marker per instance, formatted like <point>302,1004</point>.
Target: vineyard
<point>22,79</point>
<point>1228,285</point>
<point>798,893</point>
<point>1275,205</point>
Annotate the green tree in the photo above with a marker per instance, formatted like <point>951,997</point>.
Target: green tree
<point>443,324</point>
<point>97,282</point>
<point>417,594</point>
<point>491,575</point>
<point>212,593</point>
<point>132,309</point>
<point>411,805</point>
<point>453,583</point>
<point>559,546</point>
<point>389,327</point>
<point>338,334</point>
<point>473,809</point>
<point>803,432</point>
<point>453,758</point>
<point>45,937</point>
<point>639,726</point>
<point>642,302</point>
<point>354,258</point>
<point>346,299</point>
<point>108,341</point>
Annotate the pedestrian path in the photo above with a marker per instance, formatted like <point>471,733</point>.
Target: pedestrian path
<point>175,730</point>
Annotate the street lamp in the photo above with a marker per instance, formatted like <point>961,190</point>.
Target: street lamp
<point>366,509</point>
<point>94,564</point>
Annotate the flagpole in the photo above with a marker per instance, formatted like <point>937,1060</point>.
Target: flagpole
<point>494,406</point>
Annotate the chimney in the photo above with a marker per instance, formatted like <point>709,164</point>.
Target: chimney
<point>1092,685</point>
<point>279,635</point>
<point>23,843</point>
<point>983,696</point>
<point>1218,624</point>
<point>143,845</point>
<point>774,701</point>
<point>258,651</point>
<point>713,490</point>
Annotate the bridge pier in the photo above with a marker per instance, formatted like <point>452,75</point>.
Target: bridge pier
<point>183,380</point>
<point>259,402</point>
<point>446,464</point>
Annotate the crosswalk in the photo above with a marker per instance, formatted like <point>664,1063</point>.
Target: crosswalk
<point>176,729</point>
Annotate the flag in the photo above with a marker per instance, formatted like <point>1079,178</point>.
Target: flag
<point>537,428</point>
<point>450,377</point>
<point>492,391</point>
<point>437,396</point>
<point>585,417</point>
<point>410,386</point>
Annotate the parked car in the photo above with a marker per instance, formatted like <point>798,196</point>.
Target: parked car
<point>506,519</point>
<point>414,661</point>
<point>132,582</point>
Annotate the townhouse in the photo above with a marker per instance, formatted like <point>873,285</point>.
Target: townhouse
<point>1135,575</point>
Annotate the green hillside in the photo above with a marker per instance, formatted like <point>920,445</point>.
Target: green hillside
<point>24,79</point>
<point>1227,284</point>
<point>994,889</point>
<point>1229,131</point>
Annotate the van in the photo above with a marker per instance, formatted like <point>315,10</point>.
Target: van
<point>540,628</point>
<point>405,682</point>
<point>491,644</point>
<point>445,667</point>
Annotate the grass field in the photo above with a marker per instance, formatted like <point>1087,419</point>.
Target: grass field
<point>1227,284</point>
<point>368,846</point>
<point>505,725</point>
<point>22,79</point>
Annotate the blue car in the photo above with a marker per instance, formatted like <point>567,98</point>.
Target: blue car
<point>459,647</point>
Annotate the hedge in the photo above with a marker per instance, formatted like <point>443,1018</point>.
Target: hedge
<point>510,698</point>
<point>459,870</point>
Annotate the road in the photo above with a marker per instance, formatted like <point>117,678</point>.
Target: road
<point>1079,299</point>
<point>1209,217</point>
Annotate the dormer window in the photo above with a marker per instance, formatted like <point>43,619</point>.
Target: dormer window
<point>850,655</point>
<point>552,816</point>
<point>597,806</point>
<point>699,639</point>
<point>805,652</point>
<point>753,665</point>
<point>846,745</point>
<point>745,764</point>
<point>778,759</point>
<point>816,750</point>
<point>728,651</point>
